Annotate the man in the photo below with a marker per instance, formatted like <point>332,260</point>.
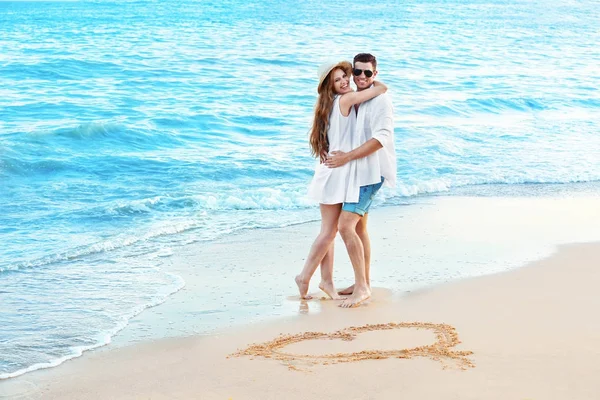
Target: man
<point>375,156</point>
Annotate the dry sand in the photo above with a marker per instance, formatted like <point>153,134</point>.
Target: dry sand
<point>531,333</point>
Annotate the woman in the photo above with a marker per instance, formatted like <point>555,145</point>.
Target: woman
<point>332,130</point>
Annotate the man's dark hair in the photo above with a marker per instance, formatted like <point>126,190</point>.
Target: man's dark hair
<point>366,58</point>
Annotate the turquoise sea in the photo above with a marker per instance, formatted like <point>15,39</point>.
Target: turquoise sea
<point>129,129</point>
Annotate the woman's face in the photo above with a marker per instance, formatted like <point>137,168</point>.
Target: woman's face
<point>341,81</point>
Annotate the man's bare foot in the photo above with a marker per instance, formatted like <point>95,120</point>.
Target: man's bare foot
<point>347,291</point>
<point>358,296</point>
<point>329,290</point>
<point>302,288</point>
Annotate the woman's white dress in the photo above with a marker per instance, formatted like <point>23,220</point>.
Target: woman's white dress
<point>337,185</point>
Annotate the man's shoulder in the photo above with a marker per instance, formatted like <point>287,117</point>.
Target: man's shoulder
<point>384,98</point>
<point>381,102</point>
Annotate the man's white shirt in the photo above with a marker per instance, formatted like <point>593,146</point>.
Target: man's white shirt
<point>375,119</point>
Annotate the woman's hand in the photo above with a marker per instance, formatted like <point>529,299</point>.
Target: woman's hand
<point>379,84</point>
<point>323,156</point>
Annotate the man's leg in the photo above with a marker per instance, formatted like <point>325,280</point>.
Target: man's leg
<point>322,244</point>
<point>347,227</point>
<point>361,231</point>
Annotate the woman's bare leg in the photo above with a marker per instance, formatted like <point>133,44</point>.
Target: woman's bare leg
<point>326,284</point>
<point>329,221</point>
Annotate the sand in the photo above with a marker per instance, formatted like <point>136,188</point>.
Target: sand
<point>527,333</point>
<point>532,333</point>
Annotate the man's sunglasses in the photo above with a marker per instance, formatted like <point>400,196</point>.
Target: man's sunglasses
<point>358,72</point>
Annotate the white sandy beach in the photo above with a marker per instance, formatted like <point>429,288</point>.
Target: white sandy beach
<point>527,333</point>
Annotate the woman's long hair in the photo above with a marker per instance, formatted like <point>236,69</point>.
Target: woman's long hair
<point>319,144</point>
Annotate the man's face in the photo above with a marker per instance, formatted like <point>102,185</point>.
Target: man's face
<point>362,81</point>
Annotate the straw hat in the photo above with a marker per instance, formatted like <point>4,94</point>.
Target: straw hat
<point>326,68</point>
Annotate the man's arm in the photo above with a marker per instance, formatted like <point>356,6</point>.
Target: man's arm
<point>339,158</point>
<point>383,131</point>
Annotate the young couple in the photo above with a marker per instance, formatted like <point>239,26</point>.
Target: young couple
<point>353,135</point>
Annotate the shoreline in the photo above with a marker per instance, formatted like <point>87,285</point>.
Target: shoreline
<point>525,333</point>
<point>248,276</point>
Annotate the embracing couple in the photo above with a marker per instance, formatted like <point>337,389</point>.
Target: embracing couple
<point>353,135</point>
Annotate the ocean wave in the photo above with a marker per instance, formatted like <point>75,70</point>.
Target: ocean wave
<point>87,130</point>
<point>90,130</point>
<point>497,105</point>
<point>127,137</point>
<point>13,166</point>
<point>420,188</point>
<point>115,243</point>
<point>41,109</point>
<point>107,139</point>
<point>442,185</point>
<point>492,105</point>
<point>102,338</point>
<point>277,61</point>
<point>9,165</point>
<point>259,198</point>
<point>30,154</point>
<point>295,198</point>
<point>255,199</point>
<point>257,121</point>
<point>592,102</point>
<point>134,206</point>
<point>190,210</point>
<point>61,69</point>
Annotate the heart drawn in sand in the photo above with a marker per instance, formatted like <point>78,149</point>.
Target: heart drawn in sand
<point>441,350</point>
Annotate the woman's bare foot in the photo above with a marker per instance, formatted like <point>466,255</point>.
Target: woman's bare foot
<point>303,288</point>
<point>347,291</point>
<point>329,290</point>
<point>358,296</point>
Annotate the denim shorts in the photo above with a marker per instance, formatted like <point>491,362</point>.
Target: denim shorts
<point>364,199</point>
